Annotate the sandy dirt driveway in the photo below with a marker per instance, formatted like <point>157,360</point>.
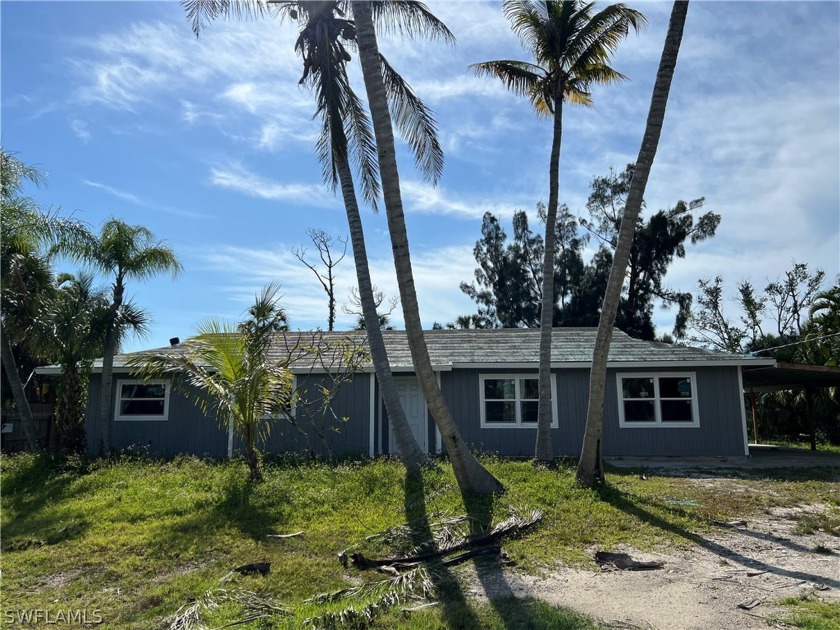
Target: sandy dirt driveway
<point>699,587</point>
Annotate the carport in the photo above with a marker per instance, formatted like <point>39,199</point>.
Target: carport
<point>795,376</point>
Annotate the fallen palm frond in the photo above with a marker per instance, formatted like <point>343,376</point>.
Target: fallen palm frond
<point>187,617</point>
<point>373,598</point>
<point>409,581</point>
<point>449,536</point>
<point>254,606</point>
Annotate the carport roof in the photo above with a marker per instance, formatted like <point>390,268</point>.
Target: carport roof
<point>790,376</point>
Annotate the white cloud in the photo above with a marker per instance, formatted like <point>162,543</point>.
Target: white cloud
<point>134,199</point>
<point>80,128</point>
<point>120,194</point>
<point>241,271</point>
<point>238,178</point>
<point>193,114</point>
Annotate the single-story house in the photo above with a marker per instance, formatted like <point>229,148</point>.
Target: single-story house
<point>661,400</point>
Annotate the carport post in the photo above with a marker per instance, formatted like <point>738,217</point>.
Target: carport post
<point>755,422</point>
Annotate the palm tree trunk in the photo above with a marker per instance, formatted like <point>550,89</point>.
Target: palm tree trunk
<point>590,470</point>
<point>71,415</point>
<point>105,401</point>
<point>251,455</point>
<point>410,453</point>
<point>544,450</point>
<point>15,383</point>
<point>472,477</point>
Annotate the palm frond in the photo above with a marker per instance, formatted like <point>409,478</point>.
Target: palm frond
<point>415,123</point>
<point>600,36</point>
<point>133,318</point>
<point>14,172</point>
<point>409,18</point>
<point>520,77</point>
<point>527,18</point>
<point>132,251</point>
<point>201,13</point>
<point>363,145</point>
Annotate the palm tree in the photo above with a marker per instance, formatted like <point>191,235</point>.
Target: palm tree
<point>823,328</point>
<point>70,327</point>
<point>228,369</point>
<point>346,128</point>
<point>28,238</point>
<point>126,252</point>
<point>345,134</point>
<point>590,471</point>
<point>472,477</point>
<point>571,46</point>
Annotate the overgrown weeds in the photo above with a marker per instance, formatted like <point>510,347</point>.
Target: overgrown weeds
<point>138,538</point>
<point>810,612</point>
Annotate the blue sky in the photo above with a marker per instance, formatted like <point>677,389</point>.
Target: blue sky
<point>209,143</point>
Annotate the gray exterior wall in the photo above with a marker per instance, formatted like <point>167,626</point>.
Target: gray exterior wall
<point>720,404</point>
<point>719,398</point>
<point>188,430</point>
<point>342,429</point>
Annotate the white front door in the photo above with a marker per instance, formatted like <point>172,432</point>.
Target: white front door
<point>412,401</point>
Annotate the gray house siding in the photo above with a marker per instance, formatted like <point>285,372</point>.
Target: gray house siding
<point>721,430</point>
<point>188,430</point>
<point>342,429</point>
<point>719,400</point>
<point>461,390</point>
<point>719,403</point>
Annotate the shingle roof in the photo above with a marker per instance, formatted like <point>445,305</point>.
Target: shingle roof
<point>508,347</point>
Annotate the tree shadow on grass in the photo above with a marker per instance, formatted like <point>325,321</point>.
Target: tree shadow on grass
<point>456,609</point>
<point>818,472</point>
<point>621,501</point>
<point>236,505</point>
<point>35,485</point>
<point>515,611</point>
<point>241,507</point>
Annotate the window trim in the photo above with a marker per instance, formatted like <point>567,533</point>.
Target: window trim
<point>555,423</point>
<point>658,423</point>
<point>118,417</point>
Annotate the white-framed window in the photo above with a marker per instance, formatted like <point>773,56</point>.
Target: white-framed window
<point>512,400</point>
<point>657,399</point>
<point>142,400</point>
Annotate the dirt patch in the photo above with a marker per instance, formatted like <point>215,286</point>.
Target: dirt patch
<point>58,580</point>
<point>699,587</point>
<point>184,569</point>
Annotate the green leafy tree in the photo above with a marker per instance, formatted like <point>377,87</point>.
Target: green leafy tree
<point>229,370</point>
<point>124,252</point>
<point>777,316</point>
<point>571,46</point>
<point>823,329</point>
<point>507,284</point>
<point>590,467</point>
<point>29,237</point>
<point>70,327</point>
<point>656,242</point>
<point>508,279</point>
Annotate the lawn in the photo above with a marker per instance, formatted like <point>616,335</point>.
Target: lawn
<point>137,540</point>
